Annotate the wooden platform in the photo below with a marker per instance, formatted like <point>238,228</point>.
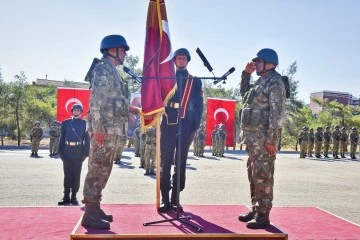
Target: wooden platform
<point>216,222</point>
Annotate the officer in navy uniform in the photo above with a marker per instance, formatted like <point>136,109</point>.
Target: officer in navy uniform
<point>74,147</point>
<point>190,114</point>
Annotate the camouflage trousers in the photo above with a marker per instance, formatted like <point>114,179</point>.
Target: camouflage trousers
<point>54,145</point>
<point>150,157</point>
<point>214,147</point>
<point>303,146</point>
<point>120,148</point>
<point>260,168</point>
<point>326,148</point>
<point>99,168</point>
<point>35,145</point>
<point>353,147</point>
<point>220,147</point>
<point>136,146</point>
<point>200,148</point>
<point>310,148</point>
<point>336,148</point>
<point>318,146</point>
<point>142,153</point>
<point>343,147</point>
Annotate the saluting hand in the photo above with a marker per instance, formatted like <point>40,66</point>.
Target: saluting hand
<point>99,138</point>
<point>250,67</point>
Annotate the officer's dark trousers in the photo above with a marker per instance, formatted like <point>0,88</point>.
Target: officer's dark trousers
<point>168,144</point>
<point>72,172</point>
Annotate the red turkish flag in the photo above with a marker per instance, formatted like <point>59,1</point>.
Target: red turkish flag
<point>157,63</point>
<point>67,97</point>
<point>220,111</point>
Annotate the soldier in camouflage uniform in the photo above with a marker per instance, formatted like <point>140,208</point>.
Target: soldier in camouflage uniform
<point>107,121</point>
<point>136,137</point>
<point>311,142</point>
<point>303,140</point>
<point>150,150</point>
<point>221,141</point>
<point>36,135</point>
<point>122,143</point>
<point>201,141</point>
<point>318,142</point>
<point>262,118</point>
<point>354,139</point>
<point>142,149</point>
<point>213,139</point>
<point>336,142</point>
<point>327,140</point>
<point>195,144</point>
<point>54,138</point>
<point>343,142</point>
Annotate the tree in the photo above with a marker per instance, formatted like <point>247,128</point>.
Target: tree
<point>131,62</point>
<point>17,99</point>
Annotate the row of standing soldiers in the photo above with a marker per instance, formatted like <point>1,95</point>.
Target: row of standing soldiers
<point>340,140</point>
<point>36,134</point>
<point>218,136</point>
<point>145,148</point>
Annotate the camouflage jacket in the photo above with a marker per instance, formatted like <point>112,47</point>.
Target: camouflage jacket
<point>36,133</point>
<point>327,136</point>
<point>262,116</point>
<point>354,137</point>
<point>151,136</point>
<point>343,136</point>
<point>311,136</point>
<point>336,135</point>
<point>319,136</point>
<point>54,132</point>
<point>303,136</point>
<point>108,101</point>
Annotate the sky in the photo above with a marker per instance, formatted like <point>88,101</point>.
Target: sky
<point>60,38</point>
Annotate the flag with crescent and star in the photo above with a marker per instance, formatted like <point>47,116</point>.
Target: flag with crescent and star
<point>220,111</point>
<point>155,92</point>
<point>67,97</point>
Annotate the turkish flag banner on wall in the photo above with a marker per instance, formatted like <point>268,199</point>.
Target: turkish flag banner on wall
<point>67,97</point>
<point>220,111</point>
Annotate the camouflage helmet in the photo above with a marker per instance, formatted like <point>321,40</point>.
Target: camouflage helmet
<point>55,122</point>
<point>113,41</point>
<point>354,129</point>
<point>311,129</point>
<point>305,128</point>
<point>337,127</point>
<point>327,127</point>
<point>77,106</point>
<point>37,123</point>
<point>319,128</point>
<point>343,128</point>
<point>222,126</point>
<point>268,55</point>
<point>182,51</point>
<point>216,126</point>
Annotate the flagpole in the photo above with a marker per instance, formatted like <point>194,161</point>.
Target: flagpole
<point>158,162</point>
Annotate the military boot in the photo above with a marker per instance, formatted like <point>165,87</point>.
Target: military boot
<point>66,199</point>
<point>51,154</point>
<point>105,216</point>
<point>32,154</point>
<point>92,217</point>
<point>173,201</point>
<point>73,199</point>
<point>35,154</point>
<point>247,216</point>
<point>259,221</point>
<point>165,205</point>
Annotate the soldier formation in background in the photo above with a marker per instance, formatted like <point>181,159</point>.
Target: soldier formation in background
<point>322,141</point>
<point>220,141</point>
<point>150,151</point>
<point>54,138</point>
<point>199,142</point>
<point>213,139</point>
<point>136,137</point>
<point>36,135</point>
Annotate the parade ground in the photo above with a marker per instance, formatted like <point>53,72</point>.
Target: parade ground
<point>329,184</point>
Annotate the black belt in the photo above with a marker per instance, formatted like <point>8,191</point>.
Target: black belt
<point>72,143</point>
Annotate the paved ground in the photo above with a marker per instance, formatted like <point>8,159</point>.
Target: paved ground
<point>333,185</point>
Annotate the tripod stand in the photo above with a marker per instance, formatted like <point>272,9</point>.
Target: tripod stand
<point>181,75</point>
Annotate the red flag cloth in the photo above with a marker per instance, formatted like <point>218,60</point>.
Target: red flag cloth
<point>157,63</point>
<point>220,111</point>
<point>67,97</point>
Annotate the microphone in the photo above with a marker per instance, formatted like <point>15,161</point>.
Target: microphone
<point>203,58</point>
<point>132,74</point>
<point>224,77</point>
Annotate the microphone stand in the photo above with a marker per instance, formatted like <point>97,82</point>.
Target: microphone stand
<point>182,219</point>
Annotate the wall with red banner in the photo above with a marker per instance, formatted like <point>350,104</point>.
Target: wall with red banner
<point>220,111</point>
<point>67,97</point>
